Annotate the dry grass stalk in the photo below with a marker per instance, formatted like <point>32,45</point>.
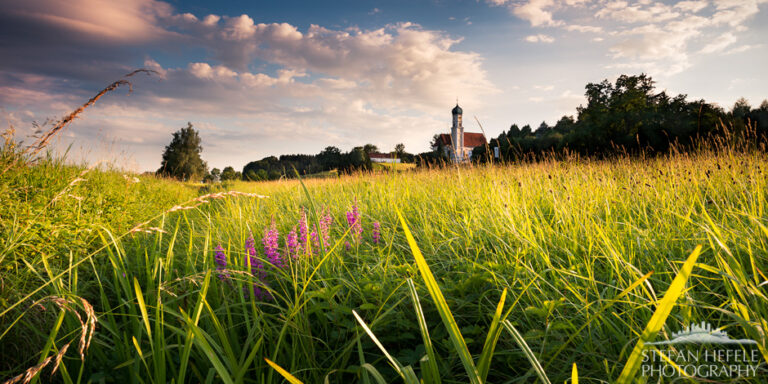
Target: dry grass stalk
<point>88,328</point>
<point>35,148</point>
<point>204,199</point>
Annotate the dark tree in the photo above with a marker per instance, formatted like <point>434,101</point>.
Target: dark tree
<point>181,158</point>
<point>229,174</point>
<point>368,148</point>
<point>400,149</point>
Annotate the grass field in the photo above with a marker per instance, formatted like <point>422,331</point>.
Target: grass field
<point>521,271</point>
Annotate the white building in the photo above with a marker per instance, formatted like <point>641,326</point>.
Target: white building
<point>377,157</point>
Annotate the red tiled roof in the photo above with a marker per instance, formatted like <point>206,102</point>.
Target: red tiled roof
<point>379,155</point>
<point>471,139</point>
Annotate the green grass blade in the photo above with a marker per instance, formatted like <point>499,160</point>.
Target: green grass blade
<point>143,309</point>
<point>494,332</point>
<point>597,315</point>
<point>209,352</point>
<point>527,351</point>
<point>291,379</point>
<point>431,371</point>
<point>659,317</point>
<point>189,335</point>
<point>457,339</point>
<point>401,370</point>
<point>375,373</point>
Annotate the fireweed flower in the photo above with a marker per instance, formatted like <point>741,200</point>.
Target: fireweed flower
<point>270,242</point>
<point>315,241</point>
<point>292,243</point>
<point>257,270</point>
<point>353,220</point>
<point>325,227</point>
<point>376,232</point>
<point>221,263</point>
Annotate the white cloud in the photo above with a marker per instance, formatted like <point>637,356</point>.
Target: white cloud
<point>692,5</point>
<point>719,44</point>
<point>540,38</point>
<point>583,28</point>
<point>648,35</point>
<point>637,13</point>
<point>537,12</point>
<point>130,22</point>
<point>324,87</point>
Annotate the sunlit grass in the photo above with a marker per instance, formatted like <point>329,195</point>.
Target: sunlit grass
<point>585,250</point>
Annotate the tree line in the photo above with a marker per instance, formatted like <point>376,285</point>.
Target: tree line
<point>629,116</point>
<point>330,158</point>
<point>182,160</point>
<point>625,116</point>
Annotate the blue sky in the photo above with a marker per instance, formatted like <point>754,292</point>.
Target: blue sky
<point>270,78</point>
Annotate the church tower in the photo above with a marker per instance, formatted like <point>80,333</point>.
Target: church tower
<point>457,134</point>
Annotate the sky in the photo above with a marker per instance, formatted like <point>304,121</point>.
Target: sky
<point>267,78</point>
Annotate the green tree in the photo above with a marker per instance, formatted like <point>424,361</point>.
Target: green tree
<point>368,148</point>
<point>181,158</point>
<point>216,174</point>
<point>400,149</point>
<point>228,174</point>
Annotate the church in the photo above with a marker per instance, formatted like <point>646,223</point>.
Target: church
<point>459,144</point>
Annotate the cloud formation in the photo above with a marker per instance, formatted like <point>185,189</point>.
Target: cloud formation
<point>650,35</point>
<point>324,86</point>
<point>540,38</point>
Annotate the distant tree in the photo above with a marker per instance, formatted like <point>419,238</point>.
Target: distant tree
<point>400,149</point>
<point>229,174</point>
<point>369,148</point>
<point>181,158</point>
<point>329,158</point>
<point>216,174</point>
<point>741,108</point>
<point>356,159</point>
<point>543,129</point>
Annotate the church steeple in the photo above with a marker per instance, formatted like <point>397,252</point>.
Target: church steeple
<point>457,134</point>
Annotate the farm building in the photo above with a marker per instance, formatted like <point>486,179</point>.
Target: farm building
<point>377,157</point>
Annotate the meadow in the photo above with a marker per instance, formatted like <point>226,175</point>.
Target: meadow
<point>548,271</point>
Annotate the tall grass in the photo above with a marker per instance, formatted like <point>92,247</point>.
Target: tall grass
<point>525,272</point>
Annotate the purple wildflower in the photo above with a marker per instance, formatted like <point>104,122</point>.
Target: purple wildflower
<point>347,245</point>
<point>259,293</point>
<point>315,241</point>
<point>303,230</point>
<point>221,262</point>
<point>270,242</point>
<point>325,227</point>
<point>292,243</point>
<point>353,220</point>
<point>257,270</point>
<point>376,232</point>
